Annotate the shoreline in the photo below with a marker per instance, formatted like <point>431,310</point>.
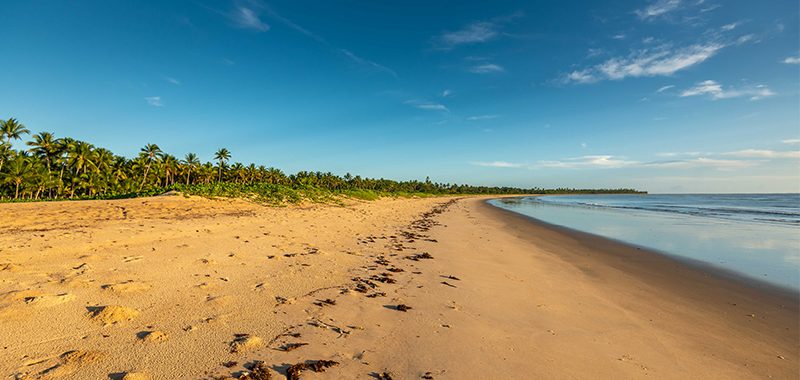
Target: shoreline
<point>207,288</point>
<point>703,266</point>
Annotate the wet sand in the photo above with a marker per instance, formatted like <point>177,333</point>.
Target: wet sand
<point>170,287</point>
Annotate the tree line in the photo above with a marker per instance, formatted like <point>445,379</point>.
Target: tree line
<point>65,168</point>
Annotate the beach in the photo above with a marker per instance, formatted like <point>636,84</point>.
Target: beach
<point>443,287</point>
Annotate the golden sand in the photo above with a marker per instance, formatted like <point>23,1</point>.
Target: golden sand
<point>188,288</point>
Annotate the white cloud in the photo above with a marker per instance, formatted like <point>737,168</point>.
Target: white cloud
<point>745,39</point>
<point>716,91</point>
<point>247,18</point>
<point>584,145</point>
<point>446,93</point>
<point>665,88</point>
<point>792,61</point>
<point>620,36</point>
<point>482,117</point>
<point>427,106</point>
<point>499,164</point>
<point>173,81</point>
<point>658,8</point>
<point>730,26</point>
<point>703,162</point>
<point>676,154</point>
<point>472,33</point>
<point>476,32</point>
<point>599,161</point>
<point>581,76</point>
<point>592,52</point>
<point>647,63</point>
<point>154,101</point>
<point>657,63</point>
<point>791,141</point>
<point>486,68</point>
<point>432,107</point>
<point>763,153</point>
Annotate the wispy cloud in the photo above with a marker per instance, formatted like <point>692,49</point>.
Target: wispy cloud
<point>428,106</point>
<point>791,141</point>
<point>366,62</point>
<point>499,164</point>
<point>646,63</point>
<point>598,161</point>
<point>173,81</point>
<point>447,93</point>
<point>763,153</point>
<point>470,34</point>
<point>678,160</point>
<point>581,76</point>
<point>678,154</point>
<point>747,38</point>
<point>792,60</point>
<point>248,18</point>
<point>482,117</point>
<point>709,8</point>
<point>474,33</point>
<point>658,8</point>
<point>731,26</point>
<point>486,68</point>
<point>154,101</point>
<point>702,162</point>
<point>350,55</point>
<point>665,88</point>
<point>619,36</point>
<point>716,91</point>
<point>594,52</point>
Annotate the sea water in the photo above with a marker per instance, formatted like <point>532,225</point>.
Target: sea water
<point>755,235</point>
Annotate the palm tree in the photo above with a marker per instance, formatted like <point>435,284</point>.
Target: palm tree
<point>80,157</point>
<point>170,165</point>
<point>5,153</point>
<point>191,161</point>
<point>43,146</point>
<point>17,172</point>
<point>12,129</point>
<point>221,155</point>
<point>149,153</point>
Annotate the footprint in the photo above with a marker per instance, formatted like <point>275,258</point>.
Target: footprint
<point>126,287</point>
<point>245,342</point>
<point>130,259</point>
<point>112,314</point>
<point>152,336</point>
<point>49,300</point>
<point>71,361</point>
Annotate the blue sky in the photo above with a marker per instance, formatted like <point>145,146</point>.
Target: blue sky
<point>665,96</point>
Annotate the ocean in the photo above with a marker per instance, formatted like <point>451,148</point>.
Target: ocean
<point>754,235</point>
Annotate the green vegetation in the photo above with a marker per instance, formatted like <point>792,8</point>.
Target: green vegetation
<point>64,168</point>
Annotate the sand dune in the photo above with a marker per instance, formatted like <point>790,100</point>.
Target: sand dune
<point>174,288</point>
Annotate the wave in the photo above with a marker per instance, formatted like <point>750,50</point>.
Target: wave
<point>784,212</point>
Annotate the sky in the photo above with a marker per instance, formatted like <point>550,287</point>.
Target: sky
<point>664,96</point>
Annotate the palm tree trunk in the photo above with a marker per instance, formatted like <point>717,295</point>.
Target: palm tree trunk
<point>146,169</point>
<point>16,191</point>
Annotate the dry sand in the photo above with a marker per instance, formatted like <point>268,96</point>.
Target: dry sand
<point>177,288</point>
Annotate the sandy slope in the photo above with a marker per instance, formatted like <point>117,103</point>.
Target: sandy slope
<point>190,288</point>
